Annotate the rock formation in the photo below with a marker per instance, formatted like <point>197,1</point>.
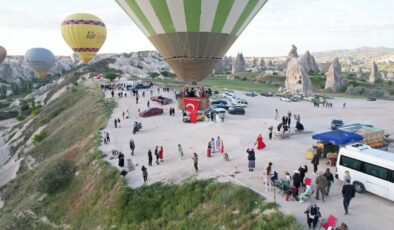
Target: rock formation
<point>270,64</point>
<point>374,73</point>
<point>297,79</point>
<point>254,63</point>
<point>292,54</point>
<point>359,72</point>
<point>310,63</point>
<point>219,68</point>
<point>261,63</point>
<point>390,76</point>
<point>239,64</point>
<point>334,78</point>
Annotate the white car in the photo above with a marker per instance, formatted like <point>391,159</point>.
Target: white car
<point>285,99</point>
<point>239,103</point>
<point>228,95</point>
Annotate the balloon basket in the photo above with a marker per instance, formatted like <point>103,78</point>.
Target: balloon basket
<point>204,102</point>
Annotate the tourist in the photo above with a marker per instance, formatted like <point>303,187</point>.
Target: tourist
<point>321,183</point>
<point>195,161</point>
<point>150,157</point>
<point>276,114</point>
<point>116,123</point>
<point>260,143</point>
<point>344,105</point>
<point>112,93</point>
<point>267,177</point>
<point>209,150</point>
<point>213,145</point>
<point>121,159</point>
<point>303,171</point>
<point>312,214</point>
<point>330,180</point>
<point>147,103</point>
<point>270,132</point>
<point>251,159</point>
<point>180,151</point>
<point>315,160</point>
<point>144,173</point>
<point>217,144</point>
<point>136,99</point>
<point>123,114</point>
<point>157,154</point>
<point>306,194</point>
<point>161,154</point>
<point>297,180</point>
<point>347,176</point>
<point>132,146</point>
<point>348,192</point>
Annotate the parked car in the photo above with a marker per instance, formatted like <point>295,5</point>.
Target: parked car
<point>228,95</point>
<point>215,110</point>
<point>200,117</point>
<point>221,106</point>
<point>251,94</point>
<point>162,100</point>
<point>239,103</point>
<point>335,124</point>
<point>236,110</point>
<point>294,99</point>
<point>371,99</point>
<point>151,112</point>
<point>219,102</point>
<point>267,94</point>
<point>285,99</point>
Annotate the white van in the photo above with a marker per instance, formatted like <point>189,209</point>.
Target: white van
<point>370,169</point>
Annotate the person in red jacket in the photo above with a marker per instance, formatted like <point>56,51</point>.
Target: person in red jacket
<point>161,153</point>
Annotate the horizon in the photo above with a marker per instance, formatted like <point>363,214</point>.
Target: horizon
<point>323,26</point>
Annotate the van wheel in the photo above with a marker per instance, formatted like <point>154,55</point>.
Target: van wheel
<point>359,187</point>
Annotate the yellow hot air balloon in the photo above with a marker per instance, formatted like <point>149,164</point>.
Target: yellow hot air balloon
<point>85,34</point>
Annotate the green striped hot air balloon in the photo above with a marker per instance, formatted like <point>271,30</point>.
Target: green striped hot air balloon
<point>192,35</point>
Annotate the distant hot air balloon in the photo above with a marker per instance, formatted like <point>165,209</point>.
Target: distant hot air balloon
<point>41,60</point>
<point>3,54</point>
<point>85,34</point>
<point>192,35</point>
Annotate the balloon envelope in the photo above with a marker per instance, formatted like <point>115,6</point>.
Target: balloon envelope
<point>192,35</point>
<point>41,60</point>
<point>3,54</point>
<point>85,34</point>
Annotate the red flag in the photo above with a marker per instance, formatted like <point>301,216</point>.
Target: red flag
<point>191,105</point>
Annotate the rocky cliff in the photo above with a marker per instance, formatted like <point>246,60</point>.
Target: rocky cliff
<point>297,79</point>
<point>310,63</point>
<point>334,78</point>
<point>374,73</point>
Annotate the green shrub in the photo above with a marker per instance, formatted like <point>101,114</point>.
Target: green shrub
<point>377,93</point>
<point>36,110</point>
<point>8,114</point>
<point>57,176</point>
<point>40,137</point>
<point>391,91</point>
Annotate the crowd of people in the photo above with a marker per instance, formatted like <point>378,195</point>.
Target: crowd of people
<point>298,186</point>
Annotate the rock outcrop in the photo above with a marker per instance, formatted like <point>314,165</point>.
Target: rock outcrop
<point>390,76</point>
<point>292,54</point>
<point>261,63</point>
<point>219,68</point>
<point>227,63</point>
<point>297,79</point>
<point>239,64</point>
<point>334,78</point>
<point>310,63</point>
<point>359,72</point>
<point>374,73</point>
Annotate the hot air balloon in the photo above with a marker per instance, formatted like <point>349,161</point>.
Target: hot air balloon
<point>3,54</point>
<point>192,35</point>
<point>85,34</point>
<point>40,60</point>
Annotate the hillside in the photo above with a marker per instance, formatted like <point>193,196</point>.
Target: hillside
<point>63,182</point>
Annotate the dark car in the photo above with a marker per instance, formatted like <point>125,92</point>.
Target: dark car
<point>251,94</point>
<point>151,112</point>
<point>267,94</point>
<point>335,124</point>
<point>162,100</point>
<point>219,102</point>
<point>236,110</point>
<point>371,99</point>
<point>221,106</point>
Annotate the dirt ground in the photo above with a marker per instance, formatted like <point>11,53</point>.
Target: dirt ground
<point>367,211</point>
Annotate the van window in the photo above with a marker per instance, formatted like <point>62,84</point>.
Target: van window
<point>376,171</point>
<point>392,177</point>
<point>350,163</point>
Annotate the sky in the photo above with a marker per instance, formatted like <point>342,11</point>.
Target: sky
<point>314,25</point>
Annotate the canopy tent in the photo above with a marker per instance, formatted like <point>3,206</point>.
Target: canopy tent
<point>338,137</point>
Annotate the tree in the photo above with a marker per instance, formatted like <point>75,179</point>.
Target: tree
<point>3,91</point>
<point>110,75</point>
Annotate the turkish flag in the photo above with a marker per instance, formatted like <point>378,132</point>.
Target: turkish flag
<point>191,105</point>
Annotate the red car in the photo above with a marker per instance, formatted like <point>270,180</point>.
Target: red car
<point>162,100</point>
<point>151,112</point>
